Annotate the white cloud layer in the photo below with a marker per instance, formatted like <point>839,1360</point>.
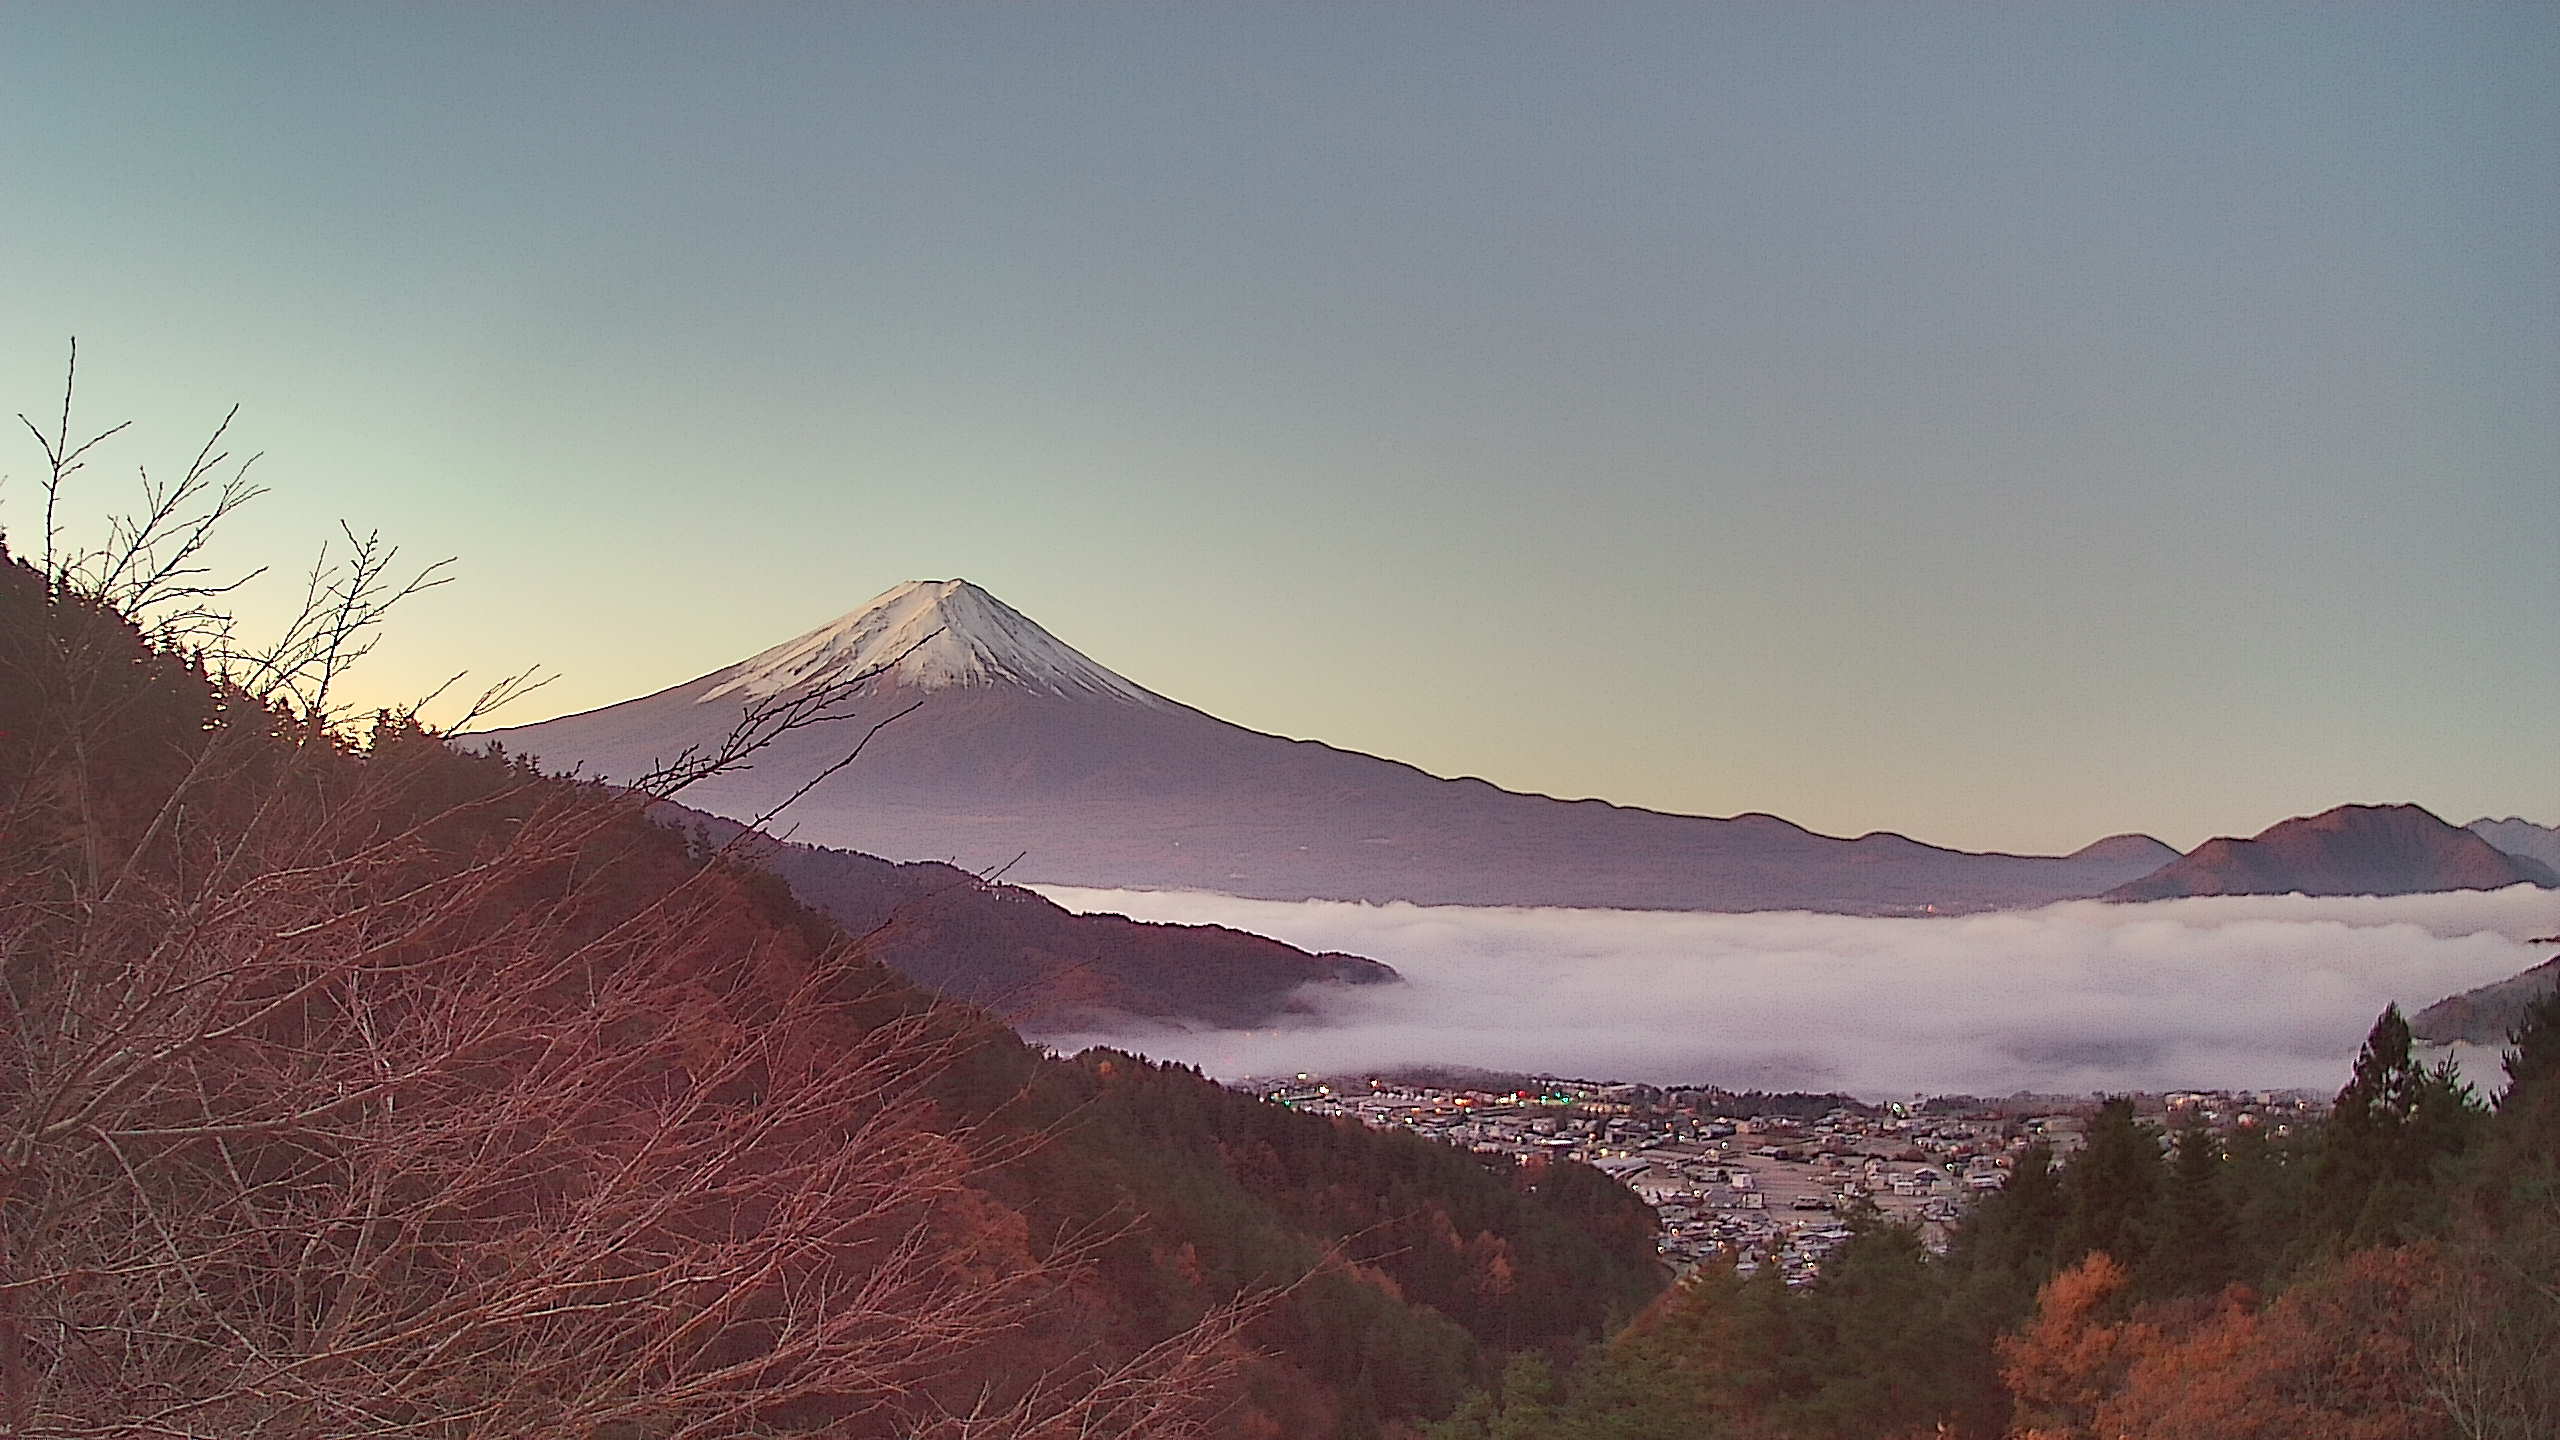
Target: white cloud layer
<point>2244,993</point>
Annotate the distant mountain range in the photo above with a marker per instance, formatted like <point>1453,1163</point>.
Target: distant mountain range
<point>1007,747</point>
<point>2351,850</point>
<point>1046,970</point>
<point>2521,837</point>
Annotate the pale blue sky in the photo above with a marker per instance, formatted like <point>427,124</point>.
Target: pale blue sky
<point>2004,425</point>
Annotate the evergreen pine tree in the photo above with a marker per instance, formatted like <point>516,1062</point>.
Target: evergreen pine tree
<point>2191,1245</point>
<point>2533,1054</point>
<point>2266,1179</point>
<point>2111,1187</point>
<point>2391,1126</point>
<point>2384,1088</point>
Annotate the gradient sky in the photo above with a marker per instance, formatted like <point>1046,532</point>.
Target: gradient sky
<point>2006,425</point>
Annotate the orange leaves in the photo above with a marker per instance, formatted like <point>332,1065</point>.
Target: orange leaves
<point>2070,1357</point>
<point>1489,1256</point>
<point>2337,1356</point>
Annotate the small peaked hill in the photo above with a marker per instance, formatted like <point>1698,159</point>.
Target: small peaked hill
<point>1005,741</point>
<point>2520,837</point>
<point>2487,1014</point>
<point>2127,850</point>
<point>2351,850</point>
<point>1047,970</point>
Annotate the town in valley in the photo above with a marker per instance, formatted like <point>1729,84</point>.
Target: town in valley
<point>1765,1178</point>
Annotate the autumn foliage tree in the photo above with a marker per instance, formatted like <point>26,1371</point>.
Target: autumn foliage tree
<point>2339,1355</point>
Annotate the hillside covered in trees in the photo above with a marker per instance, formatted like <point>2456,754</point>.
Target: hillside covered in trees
<point>1044,969</point>
<point>2390,1274</point>
<point>355,1085</point>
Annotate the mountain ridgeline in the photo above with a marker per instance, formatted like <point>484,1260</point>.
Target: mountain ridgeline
<point>1008,742</point>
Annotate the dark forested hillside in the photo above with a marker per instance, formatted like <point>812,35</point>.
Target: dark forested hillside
<point>357,1085</point>
<point>1046,970</point>
<point>2484,1014</point>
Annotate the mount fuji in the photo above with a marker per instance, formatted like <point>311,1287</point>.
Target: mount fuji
<point>1009,742</point>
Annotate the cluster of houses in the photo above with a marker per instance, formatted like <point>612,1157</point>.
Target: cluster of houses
<point>1762,1186</point>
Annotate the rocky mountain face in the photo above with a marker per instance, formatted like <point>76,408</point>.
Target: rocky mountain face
<point>1046,970</point>
<point>2350,850</point>
<point>1007,743</point>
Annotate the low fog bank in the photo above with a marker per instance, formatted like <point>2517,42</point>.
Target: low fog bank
<point>2255,992</point>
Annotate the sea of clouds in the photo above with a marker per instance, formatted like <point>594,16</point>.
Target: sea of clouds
<point>2258,992</point>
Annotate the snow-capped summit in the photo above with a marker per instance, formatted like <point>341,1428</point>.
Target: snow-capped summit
<point>928,635</point>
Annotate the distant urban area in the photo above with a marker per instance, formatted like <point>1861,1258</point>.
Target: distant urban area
<point>1768,1178</point>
